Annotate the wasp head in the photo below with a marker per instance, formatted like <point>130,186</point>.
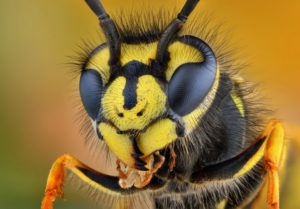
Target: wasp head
<point>144,95</point>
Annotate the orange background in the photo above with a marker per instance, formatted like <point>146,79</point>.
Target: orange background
<point>37,111</point>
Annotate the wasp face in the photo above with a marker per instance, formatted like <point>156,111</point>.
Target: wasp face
<point>134,100</point>
<point>141,108</point>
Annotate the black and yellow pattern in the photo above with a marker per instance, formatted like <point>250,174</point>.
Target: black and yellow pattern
<point>157,96</point>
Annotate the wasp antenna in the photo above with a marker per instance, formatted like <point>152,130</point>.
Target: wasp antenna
<point>173,28</point>
<point>188,7</point>
<point>110,30</point>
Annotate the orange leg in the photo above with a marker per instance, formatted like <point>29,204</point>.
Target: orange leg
<point>107,185</point>
<point>54,183</point>
<point>273,155</point>
<point>56,179</point>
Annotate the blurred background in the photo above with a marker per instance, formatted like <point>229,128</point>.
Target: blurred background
<point>38,118</point>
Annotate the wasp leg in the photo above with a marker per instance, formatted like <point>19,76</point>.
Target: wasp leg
<point>54,183</point>
<point>108,185</point>
<point>273,156</point>
<point>269,145</point>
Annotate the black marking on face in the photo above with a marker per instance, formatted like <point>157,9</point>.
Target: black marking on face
<point>139,163</point>
<point>132,70</point>
<point>129,93</point>
<point>137,151</point>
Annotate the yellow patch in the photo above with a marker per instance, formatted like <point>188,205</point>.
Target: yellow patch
<point>181,53</point>
<point>99,62</point>
<point>119,144</point>
<point>157,136</point>
<point>275,144</point>
<point>129,52</point>
<point>151,101</point>
<point>221,205</point>
<point>191,120</point>
<point>239,103</point>
<point>138,52</point>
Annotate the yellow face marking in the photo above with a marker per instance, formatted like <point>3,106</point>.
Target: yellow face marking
<point>119,144</point>
<point>129,52</point>
<point>151,102</point>
<point>181,53</point>
<point>156,137</point>
<point>138,52</point>
<point>191,120</point>
<point>239,103</point>
<point>99,62</point>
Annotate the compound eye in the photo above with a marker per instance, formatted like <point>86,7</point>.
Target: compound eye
<point>91,88</point>
<point>189,85</point>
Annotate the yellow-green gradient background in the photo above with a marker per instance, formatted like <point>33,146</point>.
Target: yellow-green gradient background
<point>37,111</point>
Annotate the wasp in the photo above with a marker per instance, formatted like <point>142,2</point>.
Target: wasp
<point>178,119</point>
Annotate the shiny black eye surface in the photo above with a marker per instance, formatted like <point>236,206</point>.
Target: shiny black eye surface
<point>91,87</point>
<point>189,85</point>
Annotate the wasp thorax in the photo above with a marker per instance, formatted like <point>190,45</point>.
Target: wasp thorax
<point>132,102</point>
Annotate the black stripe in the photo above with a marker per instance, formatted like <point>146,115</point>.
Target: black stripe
<point>132,70</point>
<point>227,168</point>
<point>129,93</point>
<point>112,182</point>
<point>109,182</point>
